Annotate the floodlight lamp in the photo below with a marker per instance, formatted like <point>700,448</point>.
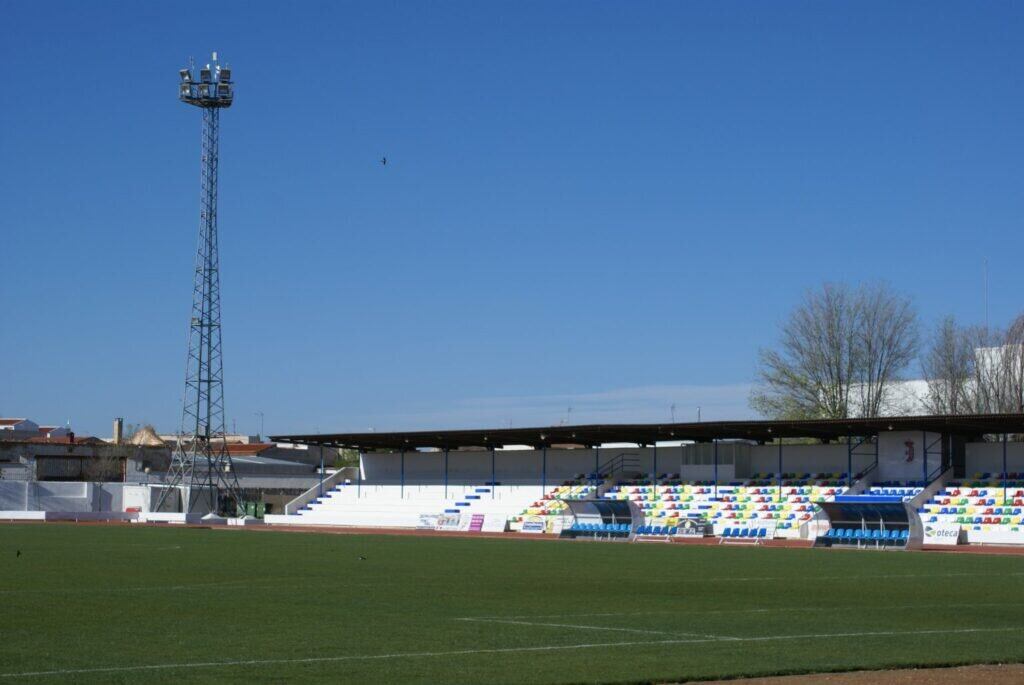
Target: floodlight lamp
<point>186,75</point>
<point>224,74</point>
<point>224,90</point>
<point>204,90</point>
<point>186,90</point>
<point>204,74</point>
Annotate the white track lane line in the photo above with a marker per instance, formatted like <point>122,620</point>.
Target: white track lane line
<point>471,652</point>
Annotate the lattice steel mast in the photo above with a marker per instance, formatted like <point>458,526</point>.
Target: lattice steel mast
<point>201,464</point>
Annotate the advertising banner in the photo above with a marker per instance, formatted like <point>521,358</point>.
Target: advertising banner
<point>448,521</point>
<point>534,524</point>
<point>693,529</point>
<point>942,534</point>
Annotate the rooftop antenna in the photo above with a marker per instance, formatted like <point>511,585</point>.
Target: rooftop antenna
<point>984,272</point>
<point>201,461</point>
<point>672,409</point>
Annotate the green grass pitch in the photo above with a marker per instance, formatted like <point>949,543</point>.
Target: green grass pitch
<point>146,604</point>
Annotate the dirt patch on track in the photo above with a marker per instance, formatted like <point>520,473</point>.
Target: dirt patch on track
<point>1004,674</point>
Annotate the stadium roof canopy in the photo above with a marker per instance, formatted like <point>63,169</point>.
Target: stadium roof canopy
<point>646,434</point>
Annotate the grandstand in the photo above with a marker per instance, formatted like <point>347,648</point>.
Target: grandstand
<point>895,482</point>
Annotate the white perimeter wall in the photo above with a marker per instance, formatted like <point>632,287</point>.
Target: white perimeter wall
<point>511,467</point>
<point>987,457</point>
<point>803,459</point>
<point>523,467</point>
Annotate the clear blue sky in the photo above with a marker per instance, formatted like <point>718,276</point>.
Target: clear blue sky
<point>604,206</point>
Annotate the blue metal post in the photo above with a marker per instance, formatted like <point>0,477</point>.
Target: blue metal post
<point>780,469</point>
<point>493,472</point>
<point>654,475</point>
<point>924,462</point>
<point>849,462</point>
<point>544,470</point>
<point>321,470</point>
<point>359,477</point>
<point>401,487</point>
<point>446,473</point>
<point>1004,468</point>
<point>597,466</point>
<point>716,467</point>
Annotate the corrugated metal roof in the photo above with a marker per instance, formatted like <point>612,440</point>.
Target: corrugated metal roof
<point>591,435</point>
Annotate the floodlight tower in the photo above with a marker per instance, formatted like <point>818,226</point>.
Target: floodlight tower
<point>201,460</point>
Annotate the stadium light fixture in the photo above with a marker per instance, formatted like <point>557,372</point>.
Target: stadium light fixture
<point>224,75</point>
<point>186,75</point>
<point>205,74</point>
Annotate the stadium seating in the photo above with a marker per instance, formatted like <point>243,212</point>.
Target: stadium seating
<point>551,506</point>
<point>905,490</point>
<point>875,537</point>
<point>599,530</point>
<point>979,506</point>
<point>759,499</point>
<point>411,506</point>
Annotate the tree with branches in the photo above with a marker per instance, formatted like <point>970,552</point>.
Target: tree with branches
<point>840,353</point>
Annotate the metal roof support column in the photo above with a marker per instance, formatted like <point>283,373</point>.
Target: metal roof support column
<point>596,480</point>
<point>716,466</point>
<point>924,462</point>
<point>359,477</point>
<point>849,462</point>
<point>780,469</point>
<point>493,477</point>
<point>446,473</point>
<point>321,470</point>
<point>401,476</point>
<point>654,474</point>
<point>543,470</point>
<point>1004,469</point>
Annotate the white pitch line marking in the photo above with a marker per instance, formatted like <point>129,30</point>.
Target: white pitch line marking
<point>772,610</point>
<point>496,650</point>
<point>583,627</point>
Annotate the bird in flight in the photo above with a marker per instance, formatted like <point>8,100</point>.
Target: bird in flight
<point>19,553</point>
<point>384,161</point>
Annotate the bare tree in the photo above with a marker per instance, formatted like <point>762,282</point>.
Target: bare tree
<point>1013,366</point>
<point>839,355</point>
<point>106,466</point>
<point>887,341</point>
<point>948,367</point>
<point>975,370</point>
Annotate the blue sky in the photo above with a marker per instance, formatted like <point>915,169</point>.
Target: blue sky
<point>604,206</point>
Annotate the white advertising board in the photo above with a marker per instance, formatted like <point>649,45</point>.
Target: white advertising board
<point>942,534</point>
<point>534,524</point>
<point>494,523</point>
<point>995,535</point>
